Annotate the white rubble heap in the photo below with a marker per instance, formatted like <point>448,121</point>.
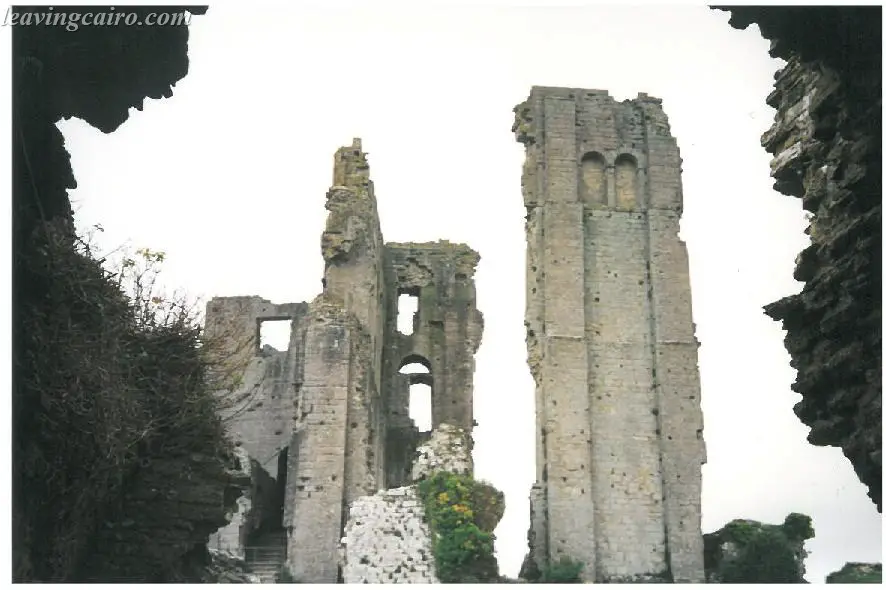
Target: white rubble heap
<point>386,540</point>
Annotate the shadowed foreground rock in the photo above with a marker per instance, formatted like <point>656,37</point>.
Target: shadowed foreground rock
<point>826,147</point>
<point>112,508</point>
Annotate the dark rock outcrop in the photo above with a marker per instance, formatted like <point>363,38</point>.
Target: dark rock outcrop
<point>826,146</point>
<point>172,505</point>
<point>95,73</point>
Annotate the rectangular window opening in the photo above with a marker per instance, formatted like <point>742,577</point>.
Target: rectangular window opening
<point>274,334</point>
<point>407,312</point>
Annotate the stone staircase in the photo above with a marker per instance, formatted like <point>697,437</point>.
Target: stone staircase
<point>265,555</point>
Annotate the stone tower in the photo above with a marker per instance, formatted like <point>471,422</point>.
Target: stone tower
<point>610,337</point>
<point>327,420</point>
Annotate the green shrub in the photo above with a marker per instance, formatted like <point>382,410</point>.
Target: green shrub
<point>563,571</point>
<point>462,551</point>
<point>798,527</point>
<point>857,573</point>
<point>767,556</point>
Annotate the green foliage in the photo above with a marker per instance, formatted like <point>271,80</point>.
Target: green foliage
<point>857,573</point>
<point>741,532</point>
<point>462,551</point>
<point>563,571</point>
<point>109,374</point>
<point>798,527</point>
<point>765,555</point>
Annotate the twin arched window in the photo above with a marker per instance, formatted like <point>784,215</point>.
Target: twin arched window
<point>593,184</point>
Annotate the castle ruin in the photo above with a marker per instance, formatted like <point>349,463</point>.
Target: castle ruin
<point>327,420</point>
<point>610,338</point>
<point>611,346</point>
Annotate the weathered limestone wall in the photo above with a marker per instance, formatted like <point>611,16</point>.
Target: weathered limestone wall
<point>353,249</point>
<point>610,339</point>
<point>447,333</point>
<point>259,411</point>
<point>316,485</point>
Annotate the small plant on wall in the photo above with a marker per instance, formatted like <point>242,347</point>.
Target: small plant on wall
<point>563,571</point>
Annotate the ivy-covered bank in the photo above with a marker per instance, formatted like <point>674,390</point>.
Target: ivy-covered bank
<point>462,513</point>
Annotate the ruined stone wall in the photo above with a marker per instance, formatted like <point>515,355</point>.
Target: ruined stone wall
<point>260,408</point>
<point>252,508</point>
<point>826,143</point>
<point>317,482</point>
<point>610,338</point>
<point>446,335</point>
<point>334,405</point>
<point>353,249</point>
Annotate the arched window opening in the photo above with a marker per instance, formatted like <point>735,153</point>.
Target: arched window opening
<point>626,182</point>
<point>411,360</point>
<point>592,188</point>
<point>414,368</point>
<point>421,384</point>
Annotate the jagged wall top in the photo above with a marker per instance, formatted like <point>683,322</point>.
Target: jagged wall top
<point>527,112</point>
<point>351,167</point>
<point>583,145</point>
<point>352,224</point>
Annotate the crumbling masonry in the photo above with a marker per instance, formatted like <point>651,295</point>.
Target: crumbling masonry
<point>327,421</point>
<point>611,341</point>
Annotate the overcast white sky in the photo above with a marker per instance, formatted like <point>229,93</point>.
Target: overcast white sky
<point>229,178</point>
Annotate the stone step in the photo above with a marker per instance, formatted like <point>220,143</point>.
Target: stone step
<point>266,556</point>
<point>265,565</point>
<point>267,559</point>
<point>254,565</point>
